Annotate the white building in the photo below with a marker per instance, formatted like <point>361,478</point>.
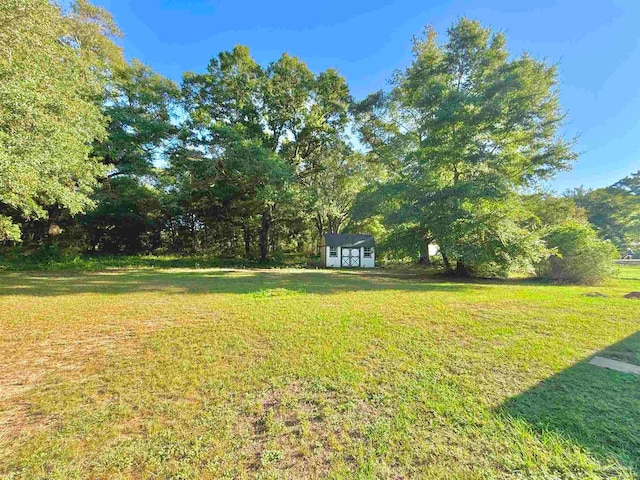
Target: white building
<point>347,250</point>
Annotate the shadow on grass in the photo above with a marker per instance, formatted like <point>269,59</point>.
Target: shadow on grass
<point>596,408</point>
<point>213,281</point>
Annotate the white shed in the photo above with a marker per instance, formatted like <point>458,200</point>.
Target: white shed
<point>347,250</point>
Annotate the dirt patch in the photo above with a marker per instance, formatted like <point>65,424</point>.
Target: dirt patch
<point>297,430</point>
<point>71,354</point>
<point>595,295</point>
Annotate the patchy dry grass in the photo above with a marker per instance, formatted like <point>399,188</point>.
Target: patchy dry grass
<point>314,374</point>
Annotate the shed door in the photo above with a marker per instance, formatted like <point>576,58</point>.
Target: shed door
<point>350,257</point>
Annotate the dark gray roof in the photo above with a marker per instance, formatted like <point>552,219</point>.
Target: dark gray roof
<point>347,240</point>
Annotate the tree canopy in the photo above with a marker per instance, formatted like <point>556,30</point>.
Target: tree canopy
<point>464,130</point>
<point>100,154</point>
<point>614,210</point>
<point>54,65</point>
<point>254,133</point>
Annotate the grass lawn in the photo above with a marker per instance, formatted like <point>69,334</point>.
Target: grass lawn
<point>214,373</point>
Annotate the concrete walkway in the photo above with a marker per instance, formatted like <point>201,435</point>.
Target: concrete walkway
<point>615,365</point>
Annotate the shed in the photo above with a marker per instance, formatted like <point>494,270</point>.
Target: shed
<point>347,250</point>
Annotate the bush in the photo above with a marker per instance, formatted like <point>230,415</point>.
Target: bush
<point>579,255</point>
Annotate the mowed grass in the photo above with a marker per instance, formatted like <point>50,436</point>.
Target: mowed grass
<point>314,374</point>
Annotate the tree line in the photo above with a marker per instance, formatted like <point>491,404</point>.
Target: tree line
<point>101,154</point>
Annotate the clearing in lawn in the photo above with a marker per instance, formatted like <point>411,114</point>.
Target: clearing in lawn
<point>312,374</point>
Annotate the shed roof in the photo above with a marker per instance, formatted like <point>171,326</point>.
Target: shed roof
<point>347,240</point>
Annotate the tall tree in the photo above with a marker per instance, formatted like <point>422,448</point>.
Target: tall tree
<point>614,210</point>
<point>53,66</point>
<point>141,109</point>
<point>260,128</point>
<point>140,105</point>
<point>475,127</point>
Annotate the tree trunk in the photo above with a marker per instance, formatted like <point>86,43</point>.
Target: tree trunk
<point>246,234</point>
<point>330,224</point>
<point>447,264</point>
<point>264,235</point>
<point>424,253</point>
<point>462,270</point>
<point>52,229</point>
<point>195,242</point>
<point>273,240</point>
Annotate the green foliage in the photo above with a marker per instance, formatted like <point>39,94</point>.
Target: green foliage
<point>334,187</point>
<point>127,218</point>
<point>464,129</point>
<point>53,66</point>
<point>614,211</point>
<point>577,254</point>
<point>486,234</point>
<point>139,104</point>
<point>9,231</point>
<point>550,210</point>
<point>255,135</point>
<point>53,258</point>
<point>256,160</point>
<point>400,243</point>
<point>579,257</point>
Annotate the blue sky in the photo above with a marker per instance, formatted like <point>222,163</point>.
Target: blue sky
<point>596,44</point>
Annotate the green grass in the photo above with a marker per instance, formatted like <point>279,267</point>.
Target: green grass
<point>52,259</point>
<point>214,373</point>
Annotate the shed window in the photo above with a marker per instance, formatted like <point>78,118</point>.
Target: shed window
<point>367,252</point>
<point>333,251</point>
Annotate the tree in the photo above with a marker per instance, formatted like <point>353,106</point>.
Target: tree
<point>334,186</point>
<point>579,256</point>
<point>393,195</point>
<point>614,211</point>
<point>53,66</point>
<point>126,219</point>
<point>140,105</point>
<point>260,130</point>
<point>629,188</point>
<point>550,210</point>
<point>629,185</point>
<point>473,128</point>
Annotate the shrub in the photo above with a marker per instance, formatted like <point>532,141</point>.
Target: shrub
<point>579,255</point>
